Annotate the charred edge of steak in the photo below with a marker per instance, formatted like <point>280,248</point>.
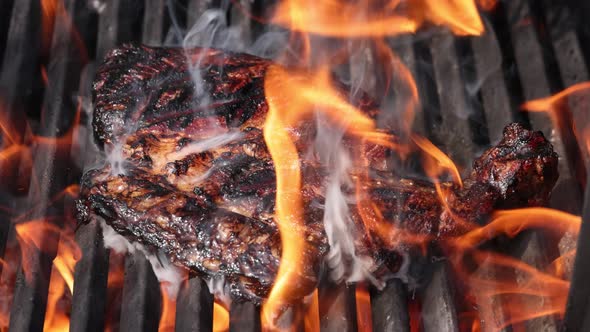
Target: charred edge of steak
<point>194,233</point>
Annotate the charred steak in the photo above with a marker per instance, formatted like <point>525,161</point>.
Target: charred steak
<point>196,181</point>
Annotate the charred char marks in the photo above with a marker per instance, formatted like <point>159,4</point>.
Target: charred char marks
<point>145,85</point>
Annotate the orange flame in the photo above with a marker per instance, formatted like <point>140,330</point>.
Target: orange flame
<point>220,318</point>
<point>289,205</point>
<point>405,87</point>
<point>311,319</point>
<point>363,308</point>
<point>534,293</point>
<point>9,271</point>
<point>54,11</point>
<point>437,162</point>
<point>62,275</point>
<point>287,106</point>
<point>512,222</point>
<point>555,106</point>
<point>49,9</point>
<point>167,318</point>
<point>546,292</point>
<point>374,19</point>
<point>561,264</point>
<point>20,145</point>
<point>36,235</point>
<point>549,103</point>
<point>460,16</point>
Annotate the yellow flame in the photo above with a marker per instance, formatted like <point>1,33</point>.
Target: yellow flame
<point>371,18</point>
<point>512,222</point>
<point>220,318</point>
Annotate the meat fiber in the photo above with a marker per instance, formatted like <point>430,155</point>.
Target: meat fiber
<point>198,183</point>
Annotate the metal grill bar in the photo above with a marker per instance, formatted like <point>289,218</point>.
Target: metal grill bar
<point>5,11</point>
<point>49,177</point>
<point>389,308</point>
<point>438,303</point>
<point>454,131</point>
<point>573,69</point>
<point>244,317</point>
<point>153,22</point>
<point>91,275</point>
<point>536,84</point>
<point>140,308</point>
<point>337,307</point>
<point>21,53</point>
<point>194,309</point>
<point>92,269</point>
<point>498,110</point>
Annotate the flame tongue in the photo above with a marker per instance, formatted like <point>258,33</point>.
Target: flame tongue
<point>306,94</point>
<point>372,18</point>
<point>288,205</point>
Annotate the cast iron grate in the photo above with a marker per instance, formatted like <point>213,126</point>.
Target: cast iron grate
<point>531,51</point>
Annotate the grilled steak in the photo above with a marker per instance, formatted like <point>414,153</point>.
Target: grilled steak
<point>197,182</point>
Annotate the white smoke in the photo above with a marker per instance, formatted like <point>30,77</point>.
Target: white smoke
<point>206,144</point>
<point>114,157</point>
<point>218,288</point>
<point>212,30</point>
<point>342,259</point>
<point>167,273</point>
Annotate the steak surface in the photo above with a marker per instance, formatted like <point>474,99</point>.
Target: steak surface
<point>194,178</point>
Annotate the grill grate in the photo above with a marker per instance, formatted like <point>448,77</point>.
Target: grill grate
<point>533,63</point>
